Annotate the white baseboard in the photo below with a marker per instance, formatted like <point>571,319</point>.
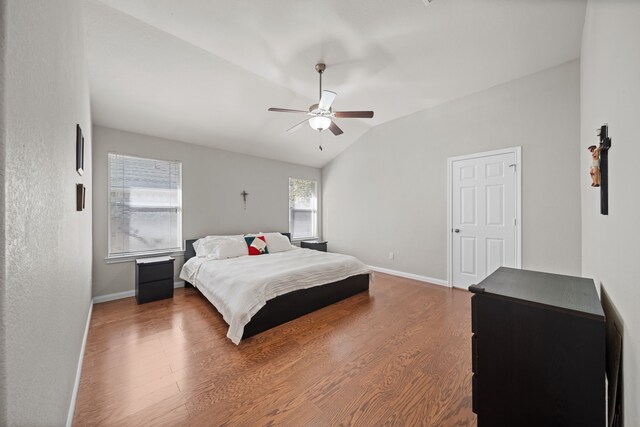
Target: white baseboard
<point>418,277</point>
<point>76,385</point>
<point>127,294</point>
<point>113,297</point>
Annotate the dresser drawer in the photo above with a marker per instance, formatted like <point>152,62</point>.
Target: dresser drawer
<point>474,394</point>
<point>318,246</point>
<point>155,272</point>
<point>152,291</point>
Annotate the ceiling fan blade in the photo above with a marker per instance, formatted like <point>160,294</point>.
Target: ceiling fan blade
<point>286,110</point>
<point>333,127</point>
<point>354,114</point>
<point>298,126</point>
<point>326,100</point>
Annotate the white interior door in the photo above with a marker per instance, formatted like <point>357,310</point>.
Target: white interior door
<point>483,216</point>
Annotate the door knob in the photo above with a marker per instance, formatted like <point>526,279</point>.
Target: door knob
<point>456,230</point>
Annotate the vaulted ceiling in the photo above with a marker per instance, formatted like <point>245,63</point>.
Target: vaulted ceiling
<point>205,72</point>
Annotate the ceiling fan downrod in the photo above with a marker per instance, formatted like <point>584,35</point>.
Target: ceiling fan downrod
<point>320,67</point>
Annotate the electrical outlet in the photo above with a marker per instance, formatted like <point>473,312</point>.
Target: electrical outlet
<point>391,255</point>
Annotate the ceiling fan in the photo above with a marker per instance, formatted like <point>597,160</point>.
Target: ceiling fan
<point>322,114</point>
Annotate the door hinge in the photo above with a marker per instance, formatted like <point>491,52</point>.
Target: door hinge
<point>515,221</point>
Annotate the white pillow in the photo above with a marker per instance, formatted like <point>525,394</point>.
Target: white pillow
<point>229,248</point>
<point>277,242</point>
<point>198,246</point>
<point>203,247</point>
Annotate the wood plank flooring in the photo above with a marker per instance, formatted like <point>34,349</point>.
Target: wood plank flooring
<point>399,355</point>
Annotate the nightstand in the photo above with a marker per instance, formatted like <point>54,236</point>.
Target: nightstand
<point>318,245</point>
<point>154,279</point>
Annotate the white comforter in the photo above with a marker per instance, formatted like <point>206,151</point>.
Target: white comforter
<point>239,287</point>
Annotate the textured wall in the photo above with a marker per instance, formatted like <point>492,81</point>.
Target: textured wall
<point>388,191</point>
<point>3,373</point>
<point>48,243</point>
<point>212,181</point>
<point>610,93</point>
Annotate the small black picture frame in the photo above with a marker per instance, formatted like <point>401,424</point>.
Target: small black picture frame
<point>79,151</point>
<point>81,195</point>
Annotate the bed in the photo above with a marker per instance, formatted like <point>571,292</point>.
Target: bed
<point>279,307</point>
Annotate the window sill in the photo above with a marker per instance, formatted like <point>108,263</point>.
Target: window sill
<point>127,258</point>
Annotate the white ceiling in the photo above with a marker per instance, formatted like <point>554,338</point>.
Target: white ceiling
<point>205,72</point>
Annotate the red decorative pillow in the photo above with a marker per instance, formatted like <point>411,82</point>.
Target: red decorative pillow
<point>257,245</point>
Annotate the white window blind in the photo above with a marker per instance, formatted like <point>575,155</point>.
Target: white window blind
<point>303,205</point>
<point>145,205</point>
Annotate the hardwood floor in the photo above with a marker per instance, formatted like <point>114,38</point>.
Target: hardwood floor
<point>399,355</point>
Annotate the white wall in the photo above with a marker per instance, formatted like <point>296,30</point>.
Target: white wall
<point>388,191</point>
<point>47,242</point>
<point>610,67</point>
<point>212,181</point>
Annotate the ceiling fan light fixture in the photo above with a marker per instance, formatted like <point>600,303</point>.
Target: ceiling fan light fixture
<point>319,123</point>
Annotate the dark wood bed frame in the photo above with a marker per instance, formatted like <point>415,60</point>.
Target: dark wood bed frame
<point>295,304</point>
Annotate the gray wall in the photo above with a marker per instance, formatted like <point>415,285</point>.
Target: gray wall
<point>388,191</point>
<point>611,94</point>
<point>3,372</point>
<point>47,243</point>
<point>212,181</point>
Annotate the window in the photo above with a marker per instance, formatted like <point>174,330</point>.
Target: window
<point>145,206</point>
<point>303,205</point>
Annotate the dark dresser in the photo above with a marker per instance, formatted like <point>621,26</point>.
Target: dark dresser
<point>538,350</point>
<point>318,245</point>
<point>154,279</point>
